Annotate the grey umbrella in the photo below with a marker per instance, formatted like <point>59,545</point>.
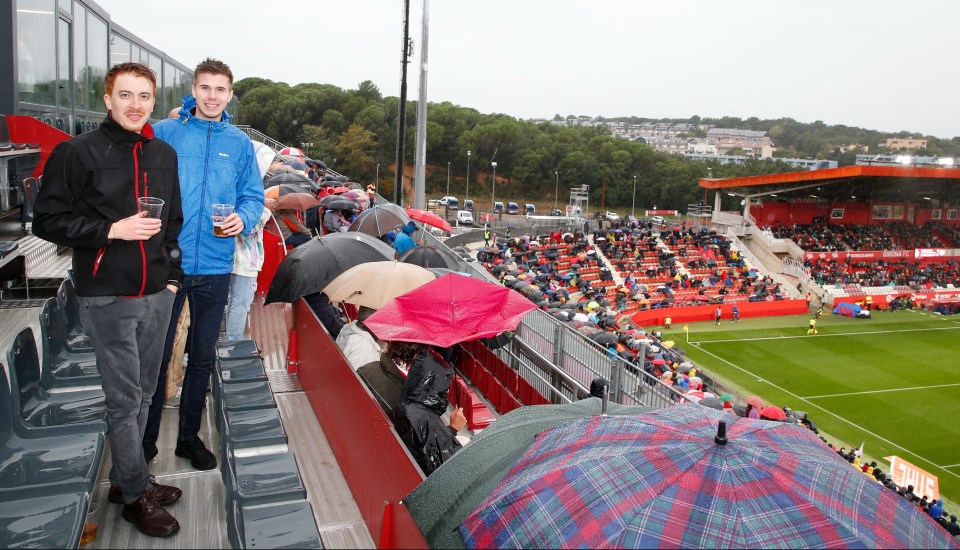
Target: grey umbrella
<point>457,488</point>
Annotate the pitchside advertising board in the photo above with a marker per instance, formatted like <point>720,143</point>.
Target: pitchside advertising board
<point>929,254</point>
<point>904,473</point>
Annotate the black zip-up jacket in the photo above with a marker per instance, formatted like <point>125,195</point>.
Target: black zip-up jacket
<point>96,179</point>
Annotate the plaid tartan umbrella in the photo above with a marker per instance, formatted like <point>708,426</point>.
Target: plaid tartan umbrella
<point>661,479</point>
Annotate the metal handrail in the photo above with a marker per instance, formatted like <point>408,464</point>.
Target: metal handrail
<point>260,137</point>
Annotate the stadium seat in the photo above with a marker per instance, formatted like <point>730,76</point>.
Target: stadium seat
<point>83,409</point>
<point>237,349</point>
<point>49,457</point>
<point>285,525</point>
<point>60,366</point>
<point>75,339</point>
<point>263,479</point>
<point>49,517</point>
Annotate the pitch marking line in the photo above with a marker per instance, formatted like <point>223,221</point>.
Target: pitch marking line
<point>700,343</point>
<point>881,391</point>
<point>952,466</point>
<point>838,417</point>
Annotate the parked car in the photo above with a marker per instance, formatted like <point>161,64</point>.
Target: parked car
<point>498,207</point>
<point>434,203</point>
<point>468,205</point>
<point>612,216</point>
<point>529,209</point>
<point>450,202</point>
<point>464,217</point>
<point>556,212</point>
<point>513,208</point>
<point>658,220</point>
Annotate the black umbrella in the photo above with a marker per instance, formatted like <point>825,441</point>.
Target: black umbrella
<point>431,256</point>
<point>290,177</point>
<point>335,202</point>
<point>380,220</point>
<point>308,268</point>
<point>603,337</point>
<point>288,188</point>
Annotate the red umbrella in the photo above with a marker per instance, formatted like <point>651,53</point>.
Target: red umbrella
<point>772,413</point>
<point>755,401</point>
<point>429,218</point>
<point>341,189</point>
<point>659,362</point>
<point>450,310</point>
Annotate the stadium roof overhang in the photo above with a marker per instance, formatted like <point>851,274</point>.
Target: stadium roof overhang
<point>860,183</point>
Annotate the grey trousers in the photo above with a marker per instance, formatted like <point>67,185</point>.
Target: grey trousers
<point>127,336</point>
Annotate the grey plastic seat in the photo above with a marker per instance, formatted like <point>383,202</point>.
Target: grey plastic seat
<point>263,479</point>
<point>251,428</point>
<point>284,525</point>
<point>245,369</point>
<point>37,406</point>
<point>60,367</point>
<point>244,396</point>
<point>75,339</point>
<point>235,349</point>
<point>44,458</point>
<point>32,518</point>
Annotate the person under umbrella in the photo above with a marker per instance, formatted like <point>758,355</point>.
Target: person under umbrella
<point>334,221</point>
<point>422,402</point>
<point>292,230</point>
<point>404,240</point>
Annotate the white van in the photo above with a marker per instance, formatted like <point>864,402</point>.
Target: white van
<point>464,217</point>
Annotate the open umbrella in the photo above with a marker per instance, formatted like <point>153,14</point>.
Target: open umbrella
<point>755,401</point>
<point>450,310</point>
<point>429,218</point>
<point>296,201</point>
<point>452,492</point>
<point>671,478</point>
<point>603,337</point>
<point>308,268</point>
<point>334,202</point>
<point>771,412</point>
<point>292,152</point>
<point>373,284</point>
<point>296,165</point>
<point>431,256</point>
<point>379,220</point>
<point>291,177</point>
<point>264,155</point>
<point>276,191</point>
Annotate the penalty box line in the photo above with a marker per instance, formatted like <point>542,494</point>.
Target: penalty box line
<point>702,342</point>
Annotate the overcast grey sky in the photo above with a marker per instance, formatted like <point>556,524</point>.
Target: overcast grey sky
<point>885,65</point>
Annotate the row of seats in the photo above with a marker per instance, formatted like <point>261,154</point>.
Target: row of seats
<point>265,501</point>
<point>51,443</point>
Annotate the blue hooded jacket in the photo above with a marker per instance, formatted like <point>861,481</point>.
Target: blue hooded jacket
<point>216,166</point>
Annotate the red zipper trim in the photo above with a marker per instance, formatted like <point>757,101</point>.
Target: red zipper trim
<point>96,263</point>
<point>138,147</point>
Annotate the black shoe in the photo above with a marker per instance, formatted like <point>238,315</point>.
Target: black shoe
<point>150,451</point>
<point>196,451</point>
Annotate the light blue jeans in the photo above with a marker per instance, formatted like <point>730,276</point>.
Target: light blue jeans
<point>242,289</point>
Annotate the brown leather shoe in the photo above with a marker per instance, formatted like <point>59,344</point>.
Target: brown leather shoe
<point>149,517</point>
<point>164,494</point>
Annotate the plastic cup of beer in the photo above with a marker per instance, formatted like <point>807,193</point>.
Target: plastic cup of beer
<point>220,213</point>
<point>89,533</point>
<point>152,206</point>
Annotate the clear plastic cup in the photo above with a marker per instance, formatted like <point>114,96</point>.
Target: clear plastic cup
<point>152,206</point>
<point>220,213</point>
<point>89,533</point>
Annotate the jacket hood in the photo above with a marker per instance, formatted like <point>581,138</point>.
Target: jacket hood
<point>190,103</point>
<point>428,382</point>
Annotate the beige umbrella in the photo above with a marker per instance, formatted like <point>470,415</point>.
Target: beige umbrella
<point>373,284</point>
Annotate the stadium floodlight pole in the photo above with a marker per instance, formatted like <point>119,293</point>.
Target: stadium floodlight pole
<point>401,123</point>
<point>633,207</point>
<point>556,190</point>
<point>493,190</point>
<point>377,182</point>
<point>468,175</point>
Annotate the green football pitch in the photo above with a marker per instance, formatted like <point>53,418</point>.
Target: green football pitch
<point>891,381</point>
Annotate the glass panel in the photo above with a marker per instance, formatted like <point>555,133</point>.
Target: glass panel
<point>97,58</point>
<point>64,6</point>
<point>171,83</point>
<point>156,63</point>
<point>119,50</point>
<point>80,56</point>
<point>36,60</point>
<point>64,82</point>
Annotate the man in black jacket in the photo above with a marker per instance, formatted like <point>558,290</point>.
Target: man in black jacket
<point>126,268</point>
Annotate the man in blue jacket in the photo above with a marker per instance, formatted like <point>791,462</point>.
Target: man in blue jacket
<point>404,241</point>
<point>217,166</point>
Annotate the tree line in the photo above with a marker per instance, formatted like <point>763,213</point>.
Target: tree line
<point>354,131</point>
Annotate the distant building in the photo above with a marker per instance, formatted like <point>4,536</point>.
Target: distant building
<point>806,164</point>
<point>901,144</point>
<point>853,147</point>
